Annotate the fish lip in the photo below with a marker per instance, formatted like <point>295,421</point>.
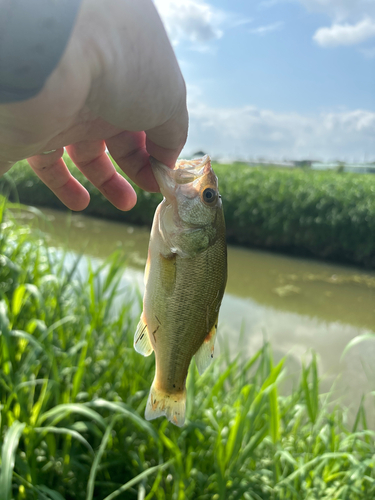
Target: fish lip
<point>158,166</point>
<point>164,177</point>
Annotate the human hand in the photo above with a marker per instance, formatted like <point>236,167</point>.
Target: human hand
<point>118,86</point>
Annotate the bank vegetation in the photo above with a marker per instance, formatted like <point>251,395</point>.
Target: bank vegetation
<point>328,215</point>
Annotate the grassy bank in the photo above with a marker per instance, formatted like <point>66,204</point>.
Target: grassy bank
<point>328,215</point>
<point>73,393</point>
<point>323,214</point>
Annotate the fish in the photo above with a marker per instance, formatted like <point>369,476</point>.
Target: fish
<point>185,279</point>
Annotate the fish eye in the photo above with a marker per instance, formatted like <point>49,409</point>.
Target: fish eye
<point>209,195</point>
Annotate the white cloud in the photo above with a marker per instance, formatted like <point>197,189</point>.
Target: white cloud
<point>345,34</point>
<point>261,30</point>
<point>250,132</point>
<point>196,21</point>
<point>340,10</point>
<point>192,20</point>
<point>353,20</point>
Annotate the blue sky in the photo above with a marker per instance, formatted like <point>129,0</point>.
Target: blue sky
<point>277,79</point>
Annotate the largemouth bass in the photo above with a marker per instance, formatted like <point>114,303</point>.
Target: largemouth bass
<point>185,278</point>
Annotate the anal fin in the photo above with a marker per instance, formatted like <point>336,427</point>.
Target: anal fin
<point>142,342</point>
<point>205,354</point>
<point>161,404</point>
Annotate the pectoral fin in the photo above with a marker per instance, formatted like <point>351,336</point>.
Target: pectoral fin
<point>205,354</point>
<point>142,342</point>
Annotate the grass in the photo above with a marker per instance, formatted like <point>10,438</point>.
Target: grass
<point>323,214</point>
<point>328,215</point>
<point>73,393</point>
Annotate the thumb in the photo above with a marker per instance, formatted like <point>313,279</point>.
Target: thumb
<point>5,166</point>
<point>166,141</point>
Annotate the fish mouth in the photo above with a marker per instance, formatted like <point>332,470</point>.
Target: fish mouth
<point>191,170</point>
<point>184,172</point>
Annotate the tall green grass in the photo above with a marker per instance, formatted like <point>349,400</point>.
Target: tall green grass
<point>328,215</point>
<point>324,214</point>
<point>73,393</point>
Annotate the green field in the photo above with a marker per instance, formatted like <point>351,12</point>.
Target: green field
<point>328,215</point>
<point>73,393</point>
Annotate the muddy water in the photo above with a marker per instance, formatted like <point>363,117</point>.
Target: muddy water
<point>297,304</point>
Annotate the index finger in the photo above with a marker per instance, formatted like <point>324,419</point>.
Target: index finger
<point>52,170</point>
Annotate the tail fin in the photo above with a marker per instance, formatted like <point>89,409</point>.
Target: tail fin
<point>172,406</point>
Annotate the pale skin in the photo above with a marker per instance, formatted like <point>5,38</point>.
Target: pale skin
<point>118,86</point>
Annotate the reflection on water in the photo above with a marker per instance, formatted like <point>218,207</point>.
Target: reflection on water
<point>299,304</point>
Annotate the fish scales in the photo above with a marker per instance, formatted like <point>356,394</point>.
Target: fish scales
<point>185,279</point>
<point>182,337</point>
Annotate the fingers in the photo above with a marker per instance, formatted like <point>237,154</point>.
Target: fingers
<point>128,149</point>
<point>51,169</point>
<point>164,155</point>
<point>166,141</point>
<point>131,151</point>
<point>92,160</point>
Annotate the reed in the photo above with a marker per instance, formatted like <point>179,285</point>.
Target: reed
<point>328,215</point>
